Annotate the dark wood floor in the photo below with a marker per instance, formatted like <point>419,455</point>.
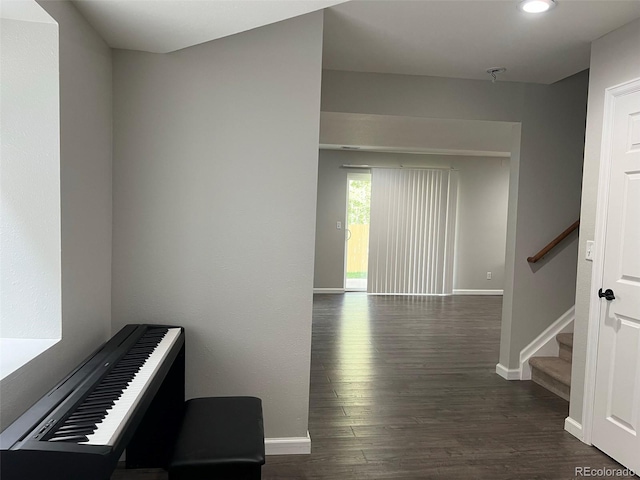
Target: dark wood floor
<point>405,387</point>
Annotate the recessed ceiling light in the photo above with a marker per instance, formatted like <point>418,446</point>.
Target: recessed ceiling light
<point>536,6</point>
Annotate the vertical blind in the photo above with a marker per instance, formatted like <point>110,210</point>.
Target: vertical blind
<point>412,231</point>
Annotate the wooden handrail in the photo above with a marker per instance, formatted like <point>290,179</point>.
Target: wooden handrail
<point>554,242</point>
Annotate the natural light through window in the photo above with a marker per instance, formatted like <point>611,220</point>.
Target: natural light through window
<point>30,259</point>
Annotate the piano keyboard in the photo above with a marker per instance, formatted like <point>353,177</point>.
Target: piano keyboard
<point>103,414</point>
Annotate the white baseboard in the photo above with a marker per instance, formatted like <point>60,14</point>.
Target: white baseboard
<point>506,373</point>
<point>545,344</point>
<point>288,445</point>
<point>477,292</point>
<point>574,428</point>
<point>328,290</point>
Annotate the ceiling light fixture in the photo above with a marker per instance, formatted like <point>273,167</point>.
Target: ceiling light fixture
<point>536,6</point>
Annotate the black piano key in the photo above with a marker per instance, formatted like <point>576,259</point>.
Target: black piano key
<point>98,401</point>
<point>70,426</point>
<point>88,408</point>
<point>108,389</point>
<point>85,415</point>
<point>131,371</point>
<point>75,419</point>
<point>93,410</point>
<point>95,394</point>
<point>129,365</point>
<point>117,386</point>
<point>79,415</point>
<point>92,419</point>
<point>75,431</point>
<point>127,375</point>
<point>105,396</point>
<point>120,384</point>
<point>118,375</point>
<point>102,410</point>
<point>104,388</point>
<point>70,438</point>
<point>114,381</point>
<point>94,406</point>
<point>113,395</point>
<point>100,405</point>
<point>84,421</point>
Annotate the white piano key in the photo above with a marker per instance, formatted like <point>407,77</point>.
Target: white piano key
<point>108,430</point>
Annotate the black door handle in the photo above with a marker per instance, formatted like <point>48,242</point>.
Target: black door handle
<point>608,294</point>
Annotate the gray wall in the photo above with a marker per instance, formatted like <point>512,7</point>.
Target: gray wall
<point>545,173</point>
<point>85,177</point>
<point>550,176</point>
<point>482,215</point>
<point>30,180</point>
<point>614,60</point>
<point>215,174</point>
<point>420,96</point>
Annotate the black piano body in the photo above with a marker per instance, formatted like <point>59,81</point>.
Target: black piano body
<point>26,449</point>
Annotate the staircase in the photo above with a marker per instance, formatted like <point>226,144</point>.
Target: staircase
<point>554,373</point>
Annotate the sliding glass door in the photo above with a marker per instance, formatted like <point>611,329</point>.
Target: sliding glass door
<point>357,231</point>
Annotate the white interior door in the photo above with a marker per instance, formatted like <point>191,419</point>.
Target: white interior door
<point>616,420</point>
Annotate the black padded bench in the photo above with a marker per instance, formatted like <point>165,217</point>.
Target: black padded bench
<point>221,438</point>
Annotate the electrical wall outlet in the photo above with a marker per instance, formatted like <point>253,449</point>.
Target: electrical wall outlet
<point>488,275</point>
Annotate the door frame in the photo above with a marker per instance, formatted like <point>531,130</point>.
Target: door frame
<point>597,273</point>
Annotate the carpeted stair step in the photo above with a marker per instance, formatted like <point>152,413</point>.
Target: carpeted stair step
<point>553,373</point>
<point>565,341</point>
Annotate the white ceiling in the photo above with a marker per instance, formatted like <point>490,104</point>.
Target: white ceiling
<point>463,38</point>
<point>448,38</point>
<point>24,11</point>
<point>162,26</point>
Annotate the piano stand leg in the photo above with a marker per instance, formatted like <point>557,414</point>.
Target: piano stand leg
<point>152,443</point>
